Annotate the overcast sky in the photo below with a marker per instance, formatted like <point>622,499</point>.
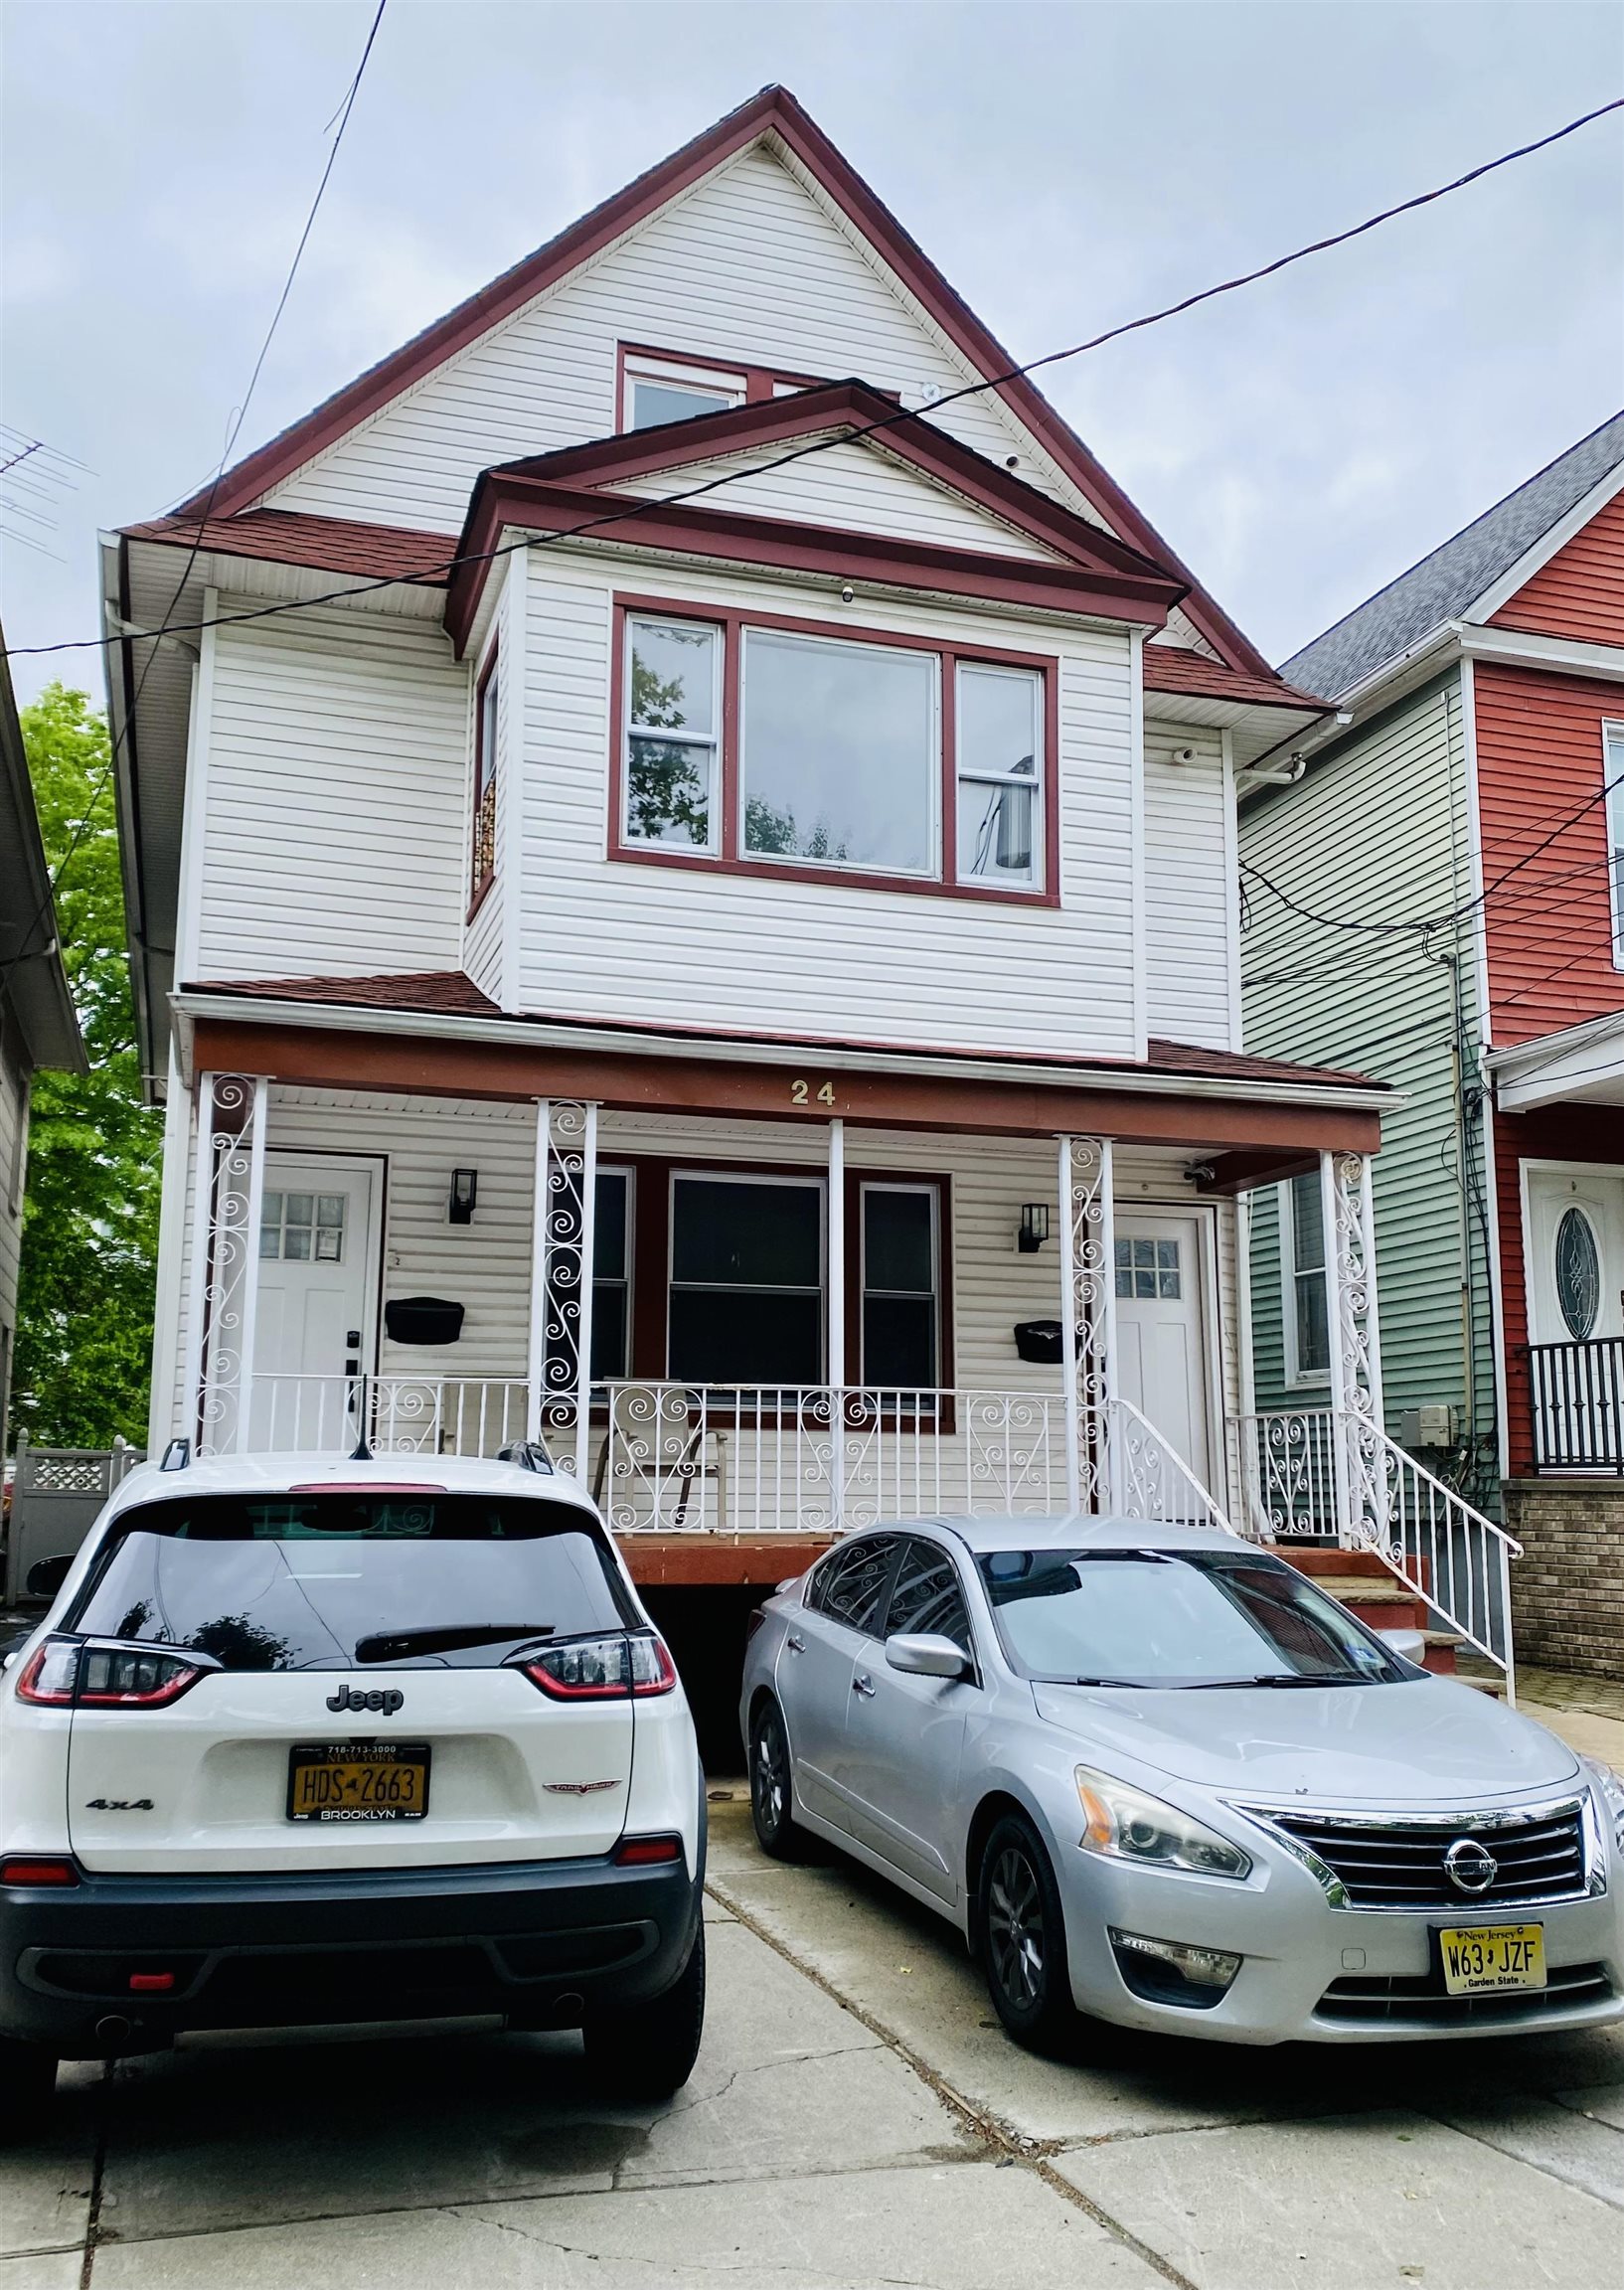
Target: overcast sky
<point>1066,165</point>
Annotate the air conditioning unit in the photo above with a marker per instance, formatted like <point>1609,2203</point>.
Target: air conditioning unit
<point>1428,1427</point>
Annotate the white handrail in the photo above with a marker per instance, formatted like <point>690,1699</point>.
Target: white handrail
<point>1140,1457</point>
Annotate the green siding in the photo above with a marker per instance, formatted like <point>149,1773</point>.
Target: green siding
<point>1376,832</point>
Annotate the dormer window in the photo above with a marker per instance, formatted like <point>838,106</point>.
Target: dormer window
<point>658,389</point>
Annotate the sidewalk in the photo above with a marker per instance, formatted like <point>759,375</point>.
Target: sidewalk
<point>1588,1712</point>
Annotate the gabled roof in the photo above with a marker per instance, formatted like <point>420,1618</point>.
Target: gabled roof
<point>1082,567</point>
<point>1448,583</point>
<point>1172,668</point>
<point>773,113</point>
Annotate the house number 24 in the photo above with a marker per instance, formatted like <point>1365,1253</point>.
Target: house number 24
<point>799,1090</point>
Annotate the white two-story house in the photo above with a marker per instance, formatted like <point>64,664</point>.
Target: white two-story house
<point>683,871</point>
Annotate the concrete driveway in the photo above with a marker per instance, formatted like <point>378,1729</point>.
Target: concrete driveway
<point>856,2119</point>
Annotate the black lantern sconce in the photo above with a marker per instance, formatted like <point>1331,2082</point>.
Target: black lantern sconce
<point>465,1193</point>
<point>1033,1228</point>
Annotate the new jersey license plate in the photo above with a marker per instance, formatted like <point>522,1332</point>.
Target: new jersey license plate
<point>365,1781</point>
<point>1478,1959</point>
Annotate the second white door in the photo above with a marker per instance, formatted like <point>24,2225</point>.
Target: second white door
<point>1160,1334</point>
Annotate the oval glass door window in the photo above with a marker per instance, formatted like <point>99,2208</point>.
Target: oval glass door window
<point>1578,1272</point>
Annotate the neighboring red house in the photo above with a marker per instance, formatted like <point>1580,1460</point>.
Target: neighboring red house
<point>1476,783</point>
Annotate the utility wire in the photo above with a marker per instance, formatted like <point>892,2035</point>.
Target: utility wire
<point>232,431</point>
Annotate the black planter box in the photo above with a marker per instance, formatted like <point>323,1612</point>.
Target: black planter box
<point>422,1320</point>
<point>1040,1341</point>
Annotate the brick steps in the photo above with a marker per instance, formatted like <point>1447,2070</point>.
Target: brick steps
<point>1364,1583</point>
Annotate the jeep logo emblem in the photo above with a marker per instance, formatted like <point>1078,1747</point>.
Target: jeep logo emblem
<point>386,1699</point>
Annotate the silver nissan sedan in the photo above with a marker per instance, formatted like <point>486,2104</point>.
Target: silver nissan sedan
<point>1155,1775</point>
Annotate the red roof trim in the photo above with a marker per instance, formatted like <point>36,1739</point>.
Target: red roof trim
<point>781,420</point>
<point>774,109</point>
<point>692,530</point>
<point>454,994</point>
<point>1172,668</point>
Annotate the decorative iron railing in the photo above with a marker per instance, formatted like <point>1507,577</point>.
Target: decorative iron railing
<point>1577,1393</point>
<point>761,1458</point>
<point>1313,1474</point>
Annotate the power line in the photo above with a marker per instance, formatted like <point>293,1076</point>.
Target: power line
<point>631,510</point>
<point>232,431</point>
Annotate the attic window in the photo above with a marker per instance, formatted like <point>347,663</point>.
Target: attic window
<point>658,390</point>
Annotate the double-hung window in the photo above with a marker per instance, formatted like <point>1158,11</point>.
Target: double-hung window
<point>658,390</point>
<point>902,1307</point>
<point>1612,754</point>
<point>759,747</point>
<point>611,1275</point>
<point>1302,1236</point>
<point>487,719</point>
<point>1000,723</point>
<point>746,1293</point>
<point>673,732</point>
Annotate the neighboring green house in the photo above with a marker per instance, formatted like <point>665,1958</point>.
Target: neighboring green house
<point>1435,897</point>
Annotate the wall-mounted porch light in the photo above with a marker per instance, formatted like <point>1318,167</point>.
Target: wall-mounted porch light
<point>1034,1226</point>
<point>465,1193</point>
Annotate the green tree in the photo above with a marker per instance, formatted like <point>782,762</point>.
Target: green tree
<point>90,1211</point>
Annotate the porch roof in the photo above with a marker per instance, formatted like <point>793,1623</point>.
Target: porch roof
<point>1250,1119</point>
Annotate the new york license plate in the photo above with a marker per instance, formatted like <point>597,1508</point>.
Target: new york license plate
<point>1478,1959</point>
<point>366,1781</point>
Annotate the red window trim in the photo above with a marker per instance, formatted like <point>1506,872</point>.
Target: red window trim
<point>650,1237</point>
<point>760,382</point>
<point>480,884</point>
<point>728,859</point>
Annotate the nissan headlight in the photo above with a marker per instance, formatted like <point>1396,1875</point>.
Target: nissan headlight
<point>1609,1788</point>
<point>1125,1824</point>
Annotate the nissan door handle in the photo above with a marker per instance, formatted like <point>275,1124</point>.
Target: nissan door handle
<point>863,1686</point>
<point>795,1643</point>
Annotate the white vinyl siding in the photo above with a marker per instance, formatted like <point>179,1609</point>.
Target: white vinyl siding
<point>1188,886</point>
<point>749,264</point>
<point>856,487</point>
<point>336,837</point>
<point>825,958</point>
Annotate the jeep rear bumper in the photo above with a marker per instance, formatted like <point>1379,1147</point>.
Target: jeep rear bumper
<point>125,1964</point>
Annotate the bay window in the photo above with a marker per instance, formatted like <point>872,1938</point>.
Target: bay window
<point>761,747</point>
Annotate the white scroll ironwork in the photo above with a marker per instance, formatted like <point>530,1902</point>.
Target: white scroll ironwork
<point>558,1369</point>
<point>1363,1494</point>
<point>229,1188</point>
<point>1088,1316</point>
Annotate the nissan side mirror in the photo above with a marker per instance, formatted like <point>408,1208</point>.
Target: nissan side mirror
<point>925,1654</point>
<point>47,1576</point>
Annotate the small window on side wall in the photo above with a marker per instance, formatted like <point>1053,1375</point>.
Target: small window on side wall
<point>1302,1256</point>
<point>1612,763</point>
<point>655,390</point>
<point>673,673</point>
<point>487,719</point>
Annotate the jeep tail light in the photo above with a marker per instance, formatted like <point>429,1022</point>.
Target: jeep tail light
<point>647,1852</point>
<point>602,1668</point>
<point>48,1674</point>
<point>37,1868</point>
<point>134,1678</point>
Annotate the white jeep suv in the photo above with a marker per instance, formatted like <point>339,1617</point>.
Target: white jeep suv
<point>303,1742</point>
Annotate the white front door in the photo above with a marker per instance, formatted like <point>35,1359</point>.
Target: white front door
<point>1160,1334</point>
<point>313,1328</point>
<point>1575,1255</point>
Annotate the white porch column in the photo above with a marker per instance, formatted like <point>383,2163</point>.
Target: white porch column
<point>1355,1347</point>
<point>1088,1313</point>
<point>836,1221</point>
<point>223,1287</point>
<point>559,1355</point>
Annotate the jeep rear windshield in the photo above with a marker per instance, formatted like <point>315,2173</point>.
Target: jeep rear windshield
<point>334,1580</point>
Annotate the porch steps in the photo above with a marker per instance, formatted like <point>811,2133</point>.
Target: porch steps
<point>1364,1583</point>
